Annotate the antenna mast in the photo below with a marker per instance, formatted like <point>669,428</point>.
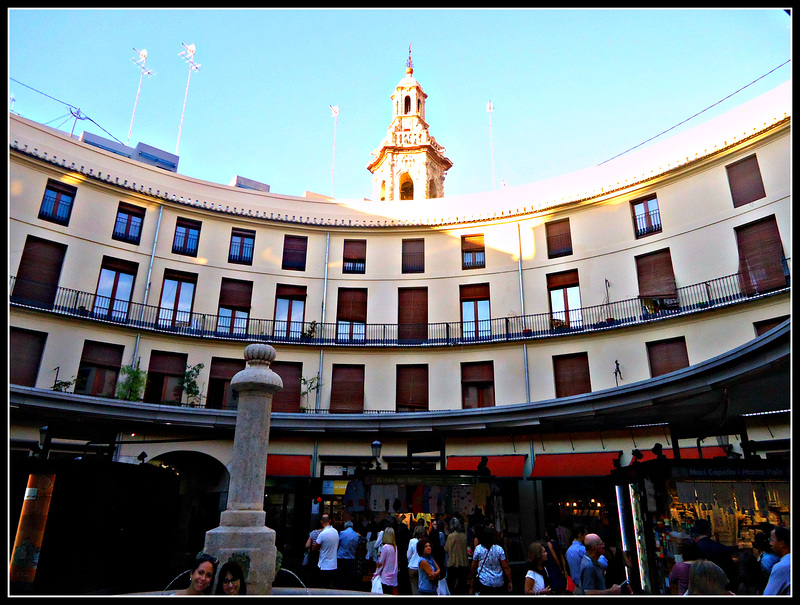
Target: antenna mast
<point>335,115</point>
<point>144,72</point>
<point>489,110</point>
<point>188,55</point>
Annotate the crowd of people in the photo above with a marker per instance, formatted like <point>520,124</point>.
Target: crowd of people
<point>390,557</point>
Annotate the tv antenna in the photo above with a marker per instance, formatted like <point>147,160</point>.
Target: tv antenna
<point>140,62</point>
<point>188,55</point>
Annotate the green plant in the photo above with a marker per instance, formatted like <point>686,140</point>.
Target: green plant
<point>188,384</point>
<point>308,386</point>
<point>63,385</point>
<point>309,332</point>
<point>132,383</point>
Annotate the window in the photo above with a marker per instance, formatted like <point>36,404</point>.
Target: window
<point>128,226</point>
<point>57,202</point>
<point>571,374</point>
<point>242,244</point>
<point>413,256</point>
<point>354,256</point>
<point>114,289</point>
<point>294,252</point>
<point>473,253</point>
<point>220,395</point>
<point>412,388</point>
<point>657,289</point>
<point>475,312</point>
<point>36,283</point>
<point>234,306</point>
<point>762,264</point>
<point>744,178</point>
<point>646,219</point>
<point>187,235</point>
<point>559,238</point>
<point>99,369</point>
<point>347,389</point>
<point>177,298</point>
<point>28,347</point>
<point>290,305</point>
<point>477,385</point>
<point>762,327</point>
<point>351,314</point>
<point>406,187</point>
<point>666,356</point>
<point>412,314</point>
<point>565,300</point>
<point>164,378</point>
<point>289,398</point>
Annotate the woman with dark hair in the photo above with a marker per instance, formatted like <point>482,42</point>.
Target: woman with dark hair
<point>555,563</point>
<point>489,565</point>
<point>231,580</point>
<point>429,571</point>
<point>537,581</point>
<point>750,579</point>
<point>201,575</point>
<point>679,576</point>
<point>436,536</point>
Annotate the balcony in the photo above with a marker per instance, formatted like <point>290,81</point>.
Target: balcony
<point>712,294</point>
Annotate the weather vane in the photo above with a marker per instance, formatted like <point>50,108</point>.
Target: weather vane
<point>409,65</point>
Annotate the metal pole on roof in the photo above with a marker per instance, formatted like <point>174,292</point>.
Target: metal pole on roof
<point>335,115</point>
<point>187,54</point>
<point>148,72</point>
<point>489,110</point>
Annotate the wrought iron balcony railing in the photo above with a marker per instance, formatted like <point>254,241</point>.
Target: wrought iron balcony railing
<point>710,294</point>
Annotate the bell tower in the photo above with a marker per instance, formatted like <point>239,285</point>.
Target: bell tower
<point>409,163</point>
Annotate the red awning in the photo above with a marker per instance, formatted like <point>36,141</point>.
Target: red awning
<point>585,464</point>
<point>288,465</point>
<point>687,453</point>
<point>511,465</point>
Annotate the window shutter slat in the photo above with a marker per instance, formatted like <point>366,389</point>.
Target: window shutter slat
<point>347,389</point>
<point>102,354</point>
<point>655,275</point>
<point>566,279</point>
<point>760,256</point>
<point>474,291</point>
<point>235,293</point>
<point>667,356</point>
<point>164,362</point>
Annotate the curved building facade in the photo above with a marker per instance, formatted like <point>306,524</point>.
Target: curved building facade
<point>566,322</point>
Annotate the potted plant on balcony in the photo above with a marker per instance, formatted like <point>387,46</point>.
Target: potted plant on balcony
<point>308,386</point>
<point>132,383</point>
<point>188,384</point>
<point>309,332</point>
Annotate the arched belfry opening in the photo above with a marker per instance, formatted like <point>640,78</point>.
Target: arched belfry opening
<point>406,187</point>
<point>408,149</point>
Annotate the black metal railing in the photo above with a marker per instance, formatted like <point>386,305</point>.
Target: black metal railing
<point>709,294</point>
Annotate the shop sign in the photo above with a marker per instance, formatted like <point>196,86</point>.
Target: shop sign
<point>332,487</point>
<point>730,473</point>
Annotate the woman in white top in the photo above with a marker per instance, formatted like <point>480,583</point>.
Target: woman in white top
<point>536,580</point>
<point>413,557</point>
<point>489,565</point>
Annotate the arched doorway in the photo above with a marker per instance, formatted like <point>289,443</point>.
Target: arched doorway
<point>406,187</point>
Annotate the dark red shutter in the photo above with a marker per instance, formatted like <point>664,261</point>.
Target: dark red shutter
<point>412,387</point>
<point>559,238</point>
<point>565,279</point>
<point>102,354</point>
<point>760,256</point>
<point>38,273</point>
<point>172,364</point>
<point>352,305</point>
<point>235,293</point>
<point>744,178</point>
<point>412,313</point>
<point>347,389</point>
<point>225,368</point>
<point>482,371</point>
<point>667,356</point>
<point>288,399</point>
<point>25,348</point>
<point>474,292</point>
<point>656,278</point>
<point>572,374</point>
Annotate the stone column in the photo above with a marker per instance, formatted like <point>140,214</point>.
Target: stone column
<point>242,535</point>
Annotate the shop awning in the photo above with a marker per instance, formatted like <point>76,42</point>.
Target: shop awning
<point>687,453</point>
<point>288,465</point>
<point>511,465</point>
<point>584,464</point>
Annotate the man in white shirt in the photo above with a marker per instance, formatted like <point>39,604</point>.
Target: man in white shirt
<point>327,543</point>
<point>780,576</point>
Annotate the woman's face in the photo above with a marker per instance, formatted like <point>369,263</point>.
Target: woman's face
<point>229,585</point>
<point>201,577</point>
<point>427,550</point>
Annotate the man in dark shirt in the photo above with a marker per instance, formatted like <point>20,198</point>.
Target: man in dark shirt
<point>713,550</point>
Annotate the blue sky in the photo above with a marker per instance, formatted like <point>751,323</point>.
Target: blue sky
<point>570,88</point>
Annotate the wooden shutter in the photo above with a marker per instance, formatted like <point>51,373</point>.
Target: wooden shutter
<point>225,368</point>
<point>172,364</point>
<point>482,371</point>
<point>347,389</point>
<point>413,260</point>
<point>122,266</point>
<point>666,356</point>
<point>290,291</point>
<point>294,252</point>
<point>38,273</point>
<point>572,374</point>
<point>355,249</point>
<point>288,399</point>
<point>760,256</point>
<point>470,243</point>
<point>559,238</point>
<point>656,278</point>
<point>412,387</point>
<point>102,354</point>
<point>565,279</point>
<point>762,327</point>
<point>352,305</point>
<point>26,347</point>
<point>412,313</point>
<point>235,293</point>
<point>744,178</point>
<point>474,292</point>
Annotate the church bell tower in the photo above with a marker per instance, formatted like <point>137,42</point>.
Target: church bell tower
<point>409,164</point>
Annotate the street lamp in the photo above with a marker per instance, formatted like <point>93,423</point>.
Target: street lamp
<point>376,453</point>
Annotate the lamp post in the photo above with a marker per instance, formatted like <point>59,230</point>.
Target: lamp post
<point>376,453</point>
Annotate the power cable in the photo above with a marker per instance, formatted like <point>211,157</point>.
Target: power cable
<point>697,114</point>
<point>76,112</point>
